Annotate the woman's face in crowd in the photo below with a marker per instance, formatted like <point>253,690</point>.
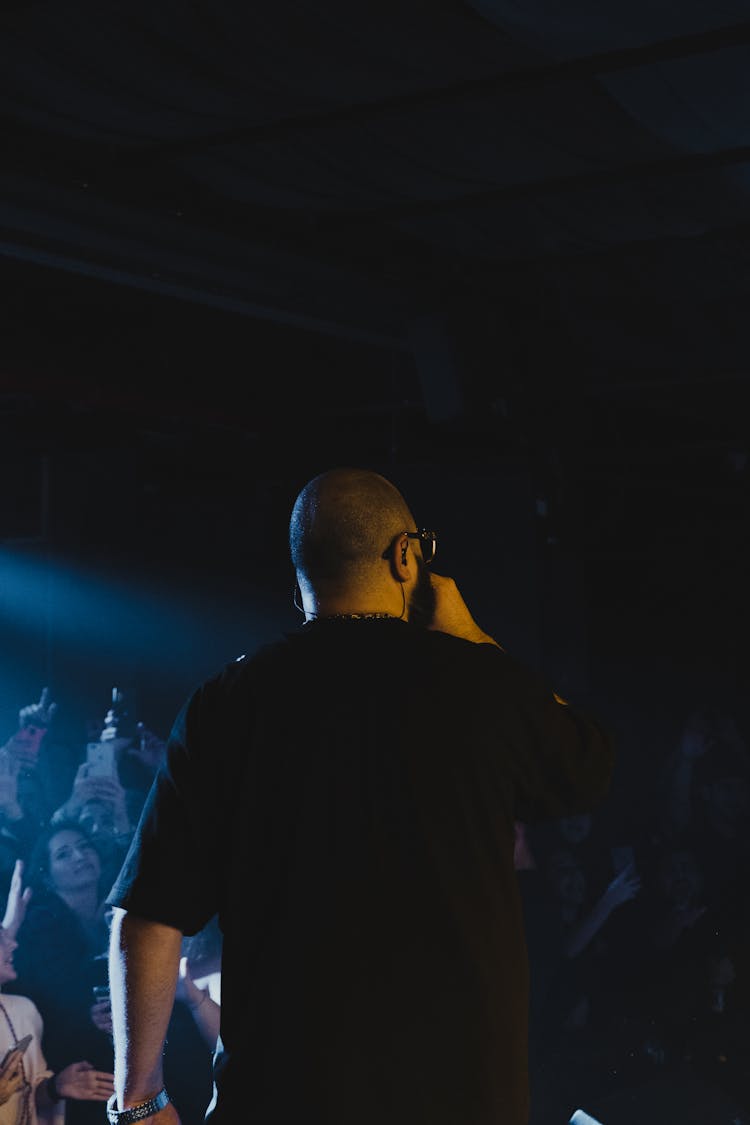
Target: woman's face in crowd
<point>73,862</point>
<point>8,945</point>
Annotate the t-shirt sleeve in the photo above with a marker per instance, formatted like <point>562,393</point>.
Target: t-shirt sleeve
<point>561,759</point>
<point>171,872</point>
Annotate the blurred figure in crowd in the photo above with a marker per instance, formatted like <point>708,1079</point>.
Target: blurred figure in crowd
<point>61,955</point>
<point>30,1091</point>
<point>29,783</point>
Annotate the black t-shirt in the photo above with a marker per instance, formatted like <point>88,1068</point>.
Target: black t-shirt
<point>345,800</point>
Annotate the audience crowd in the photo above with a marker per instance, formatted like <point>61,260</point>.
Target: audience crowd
<point>65,826</point>
<point>638,927</point>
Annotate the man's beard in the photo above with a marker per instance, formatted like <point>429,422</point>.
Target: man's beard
<point>422,600</point>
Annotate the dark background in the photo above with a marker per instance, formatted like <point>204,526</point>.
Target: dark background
<point>501,257</point>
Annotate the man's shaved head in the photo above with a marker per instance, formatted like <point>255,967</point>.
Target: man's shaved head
<point>342,522</point>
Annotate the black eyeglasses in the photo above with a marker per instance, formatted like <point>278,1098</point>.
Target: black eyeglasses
<point>427,541</point>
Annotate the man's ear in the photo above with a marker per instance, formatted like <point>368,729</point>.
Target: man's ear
<point>399,558</point>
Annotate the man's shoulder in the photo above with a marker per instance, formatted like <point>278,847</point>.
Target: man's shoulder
<point>249,658</point>
<point>306,649</point>
<point>448,647</point>
<point>243,669</point>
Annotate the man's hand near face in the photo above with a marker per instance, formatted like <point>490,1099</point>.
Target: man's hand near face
<point>452,615</point>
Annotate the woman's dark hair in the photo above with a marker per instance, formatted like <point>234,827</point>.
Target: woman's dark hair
<point>37,867</point>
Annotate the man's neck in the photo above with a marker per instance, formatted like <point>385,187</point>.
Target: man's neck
<point>358,605</point>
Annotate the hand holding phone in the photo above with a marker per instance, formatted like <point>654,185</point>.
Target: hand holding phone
<point>101,1012</point>
<point>16,1050</point>
<point>100,757</point>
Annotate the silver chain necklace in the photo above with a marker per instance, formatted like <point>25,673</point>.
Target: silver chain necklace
<point>349,617</point>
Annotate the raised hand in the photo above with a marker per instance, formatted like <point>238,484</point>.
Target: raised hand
<point>18,899</point>
<point>623,887</point>
<point>688,915</point>
<point>81,1080</point>
<point>149,748</point>
<point>101,1014</point>
<point>33,721</point>
<point>452,615</point>
<point>83,790</point>
<point>668,928</point>
<point>39,714</point>
<point>98,789</point>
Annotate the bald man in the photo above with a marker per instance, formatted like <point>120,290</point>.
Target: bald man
<point>345,799</point>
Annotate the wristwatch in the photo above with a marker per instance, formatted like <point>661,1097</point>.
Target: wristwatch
<point>136,1112</point>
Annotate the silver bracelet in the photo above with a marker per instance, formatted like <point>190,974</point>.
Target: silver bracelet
<point>136,1112</point>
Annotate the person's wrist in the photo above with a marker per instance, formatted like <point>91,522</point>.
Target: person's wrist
<point>138,1112</point>
<point>52,1090</point>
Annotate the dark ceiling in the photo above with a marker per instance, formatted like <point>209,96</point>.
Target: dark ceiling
<point>240,242</point>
